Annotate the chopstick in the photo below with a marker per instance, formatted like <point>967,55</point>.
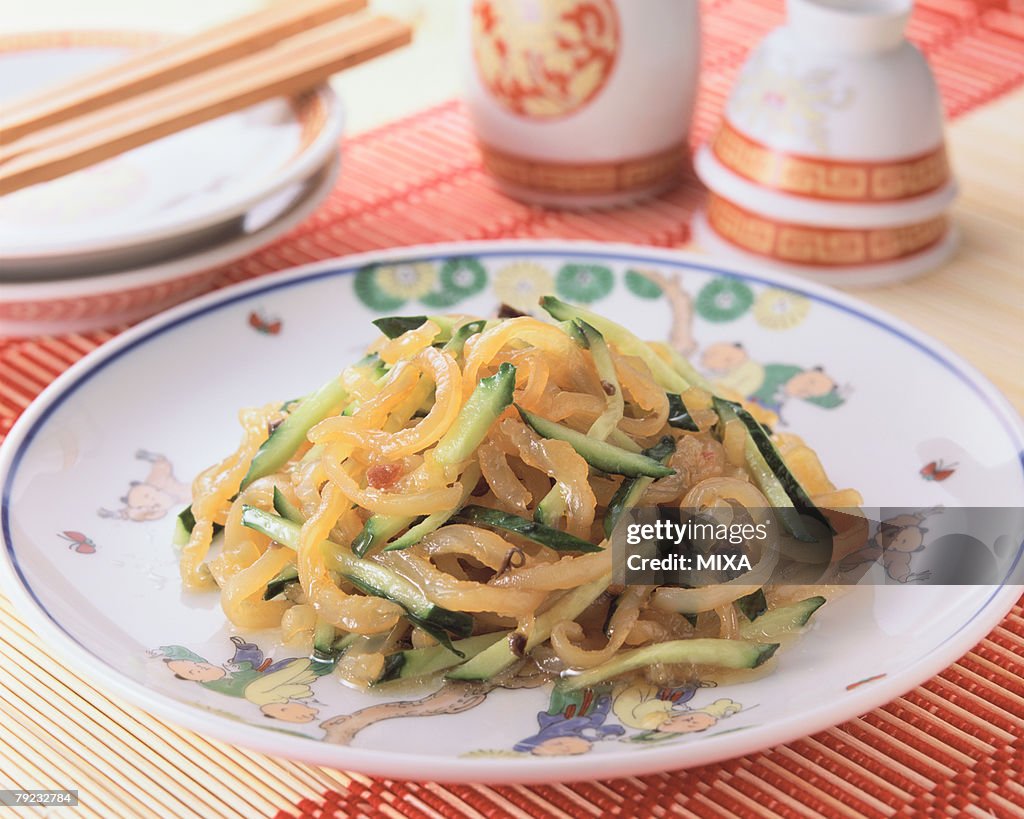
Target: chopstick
<point>296,65</point>
<point>167,63</point>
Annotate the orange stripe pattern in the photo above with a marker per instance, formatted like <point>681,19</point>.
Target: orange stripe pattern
<point>817,246</point>
<point>833,180</point>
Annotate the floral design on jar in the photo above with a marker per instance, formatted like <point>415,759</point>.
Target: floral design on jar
<point>779,309</point>
<point>584,282</point>
<point>724,299</point>
<point>521,284</point>
<point>542,59</point>
<point>771,96</point>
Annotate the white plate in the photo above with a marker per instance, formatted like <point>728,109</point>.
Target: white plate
<point>93,472</point>
<point>154,200</point>
<point>90,302</point>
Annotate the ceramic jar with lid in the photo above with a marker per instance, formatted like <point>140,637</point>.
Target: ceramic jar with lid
<point>582,103</point>
<point>830,158</point>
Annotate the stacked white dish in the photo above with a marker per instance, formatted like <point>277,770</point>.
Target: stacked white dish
<point>129,237</point>
<point>830,159</point>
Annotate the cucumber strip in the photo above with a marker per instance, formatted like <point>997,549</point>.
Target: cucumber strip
<point>394,326</point>
<point>623,441</point>
<point>683,366</point>
<point>701,651</point>
<point>550,508</point>
<point>346,641</point>
<point>313,453</point>
<point>488,400</point>
<point>291,432</point>
<point>437,519</point>
<point>437,630</point>
<point>378,529</point>
<point>797,494</point>
<point>500,656</point>
<point>753,605</point>
<point>531,530</point>
<point>184,523</point>
<point>772,475</point>
<point>781,621</point>
<point>457,344</point>
<point>679,415</point>
<point>599,454</point>
<point>324,642</point>
<point>632,490</point>
<point>284,578</point>
<point>622,338</point>
<point>419,662</point>
<point>609,419</point>
<point>286,509</point>
<point>368,575</point>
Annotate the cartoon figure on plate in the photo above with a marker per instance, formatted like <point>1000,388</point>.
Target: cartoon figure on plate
<point>895,543</point>
<point>451,698</point>
<point>770,385</point>
<point>572,724</point>
<point>280,689</point>
<point>153,497</point>
<point>665,713</point>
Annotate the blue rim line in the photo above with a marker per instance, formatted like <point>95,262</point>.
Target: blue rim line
<point>313,276</point>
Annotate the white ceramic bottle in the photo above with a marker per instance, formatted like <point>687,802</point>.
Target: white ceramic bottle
<point>582,103</point>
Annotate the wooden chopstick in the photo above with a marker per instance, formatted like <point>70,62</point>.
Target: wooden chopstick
<point>167,63</point>
<point>293,66</point>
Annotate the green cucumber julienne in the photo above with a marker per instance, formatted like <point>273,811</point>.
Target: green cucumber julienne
<point>487,401</point>
<point>419,662</point>
<point>457,343</point>
<point>609,419</point>
<point>436,520</point>
<point>184,523</point>
<point>599,454</point>
<point>284,578</point>
<point>632,489</point>
<point>679,415</point>
<point>286,509</point>
<point>324,643</point>
<point>369,576</point>
<point>701,651</point>
<point>378,529</point>
<point>753,605</point>
<point>394,326</point>
<point>529,529</point>
<point>291,432</point>
<point>781,621</point>
<point>498,657</point>
<point>551,507</point>
<point>772,474</point>
<point>616,334</point>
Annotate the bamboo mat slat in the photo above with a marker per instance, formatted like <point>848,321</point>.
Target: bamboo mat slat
<point>952,747</point>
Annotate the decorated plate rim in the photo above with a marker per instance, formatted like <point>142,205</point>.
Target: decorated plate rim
<point>401,765</point>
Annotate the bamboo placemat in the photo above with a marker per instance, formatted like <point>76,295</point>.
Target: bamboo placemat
<point>953,747</point>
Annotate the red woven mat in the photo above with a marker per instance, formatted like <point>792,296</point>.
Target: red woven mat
<point>953,747</point>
